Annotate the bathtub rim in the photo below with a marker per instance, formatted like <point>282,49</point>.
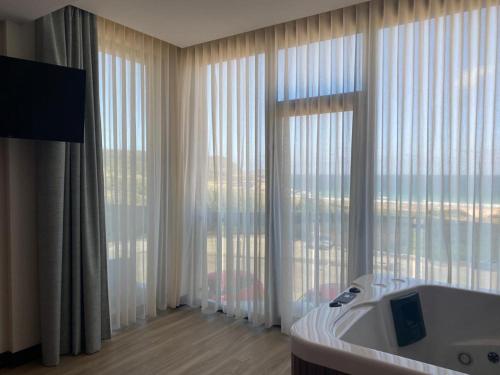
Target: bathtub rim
<point>335,353</point>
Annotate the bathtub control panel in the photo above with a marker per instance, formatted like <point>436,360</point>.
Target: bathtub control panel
<point>343,299</point>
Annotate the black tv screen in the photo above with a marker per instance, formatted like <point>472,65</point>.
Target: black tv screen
<point>41,101</point>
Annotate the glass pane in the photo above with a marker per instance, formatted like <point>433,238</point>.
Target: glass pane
<point>320,164</point>
<point>236,183</point>
<point>320,68</point>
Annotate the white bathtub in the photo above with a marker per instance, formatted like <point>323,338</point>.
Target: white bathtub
<point>359,337</point>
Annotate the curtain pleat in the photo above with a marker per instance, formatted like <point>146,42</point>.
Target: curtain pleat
<point>436,195</point>
<point>224,153</point>
<point>436,177</point>
<point>136,81</point>
<point>319,104</point>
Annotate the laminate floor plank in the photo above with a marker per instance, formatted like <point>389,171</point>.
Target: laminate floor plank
<point>181,342</point>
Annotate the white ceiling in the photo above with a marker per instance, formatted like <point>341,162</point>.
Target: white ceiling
<point>182,22</point>
<point>28,10</point>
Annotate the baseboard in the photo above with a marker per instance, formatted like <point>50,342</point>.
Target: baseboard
<point>11,360</point>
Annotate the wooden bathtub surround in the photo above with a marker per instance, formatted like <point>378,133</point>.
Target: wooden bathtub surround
<point>301,367</point>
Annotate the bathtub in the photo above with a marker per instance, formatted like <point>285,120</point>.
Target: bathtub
<point>462,332</point>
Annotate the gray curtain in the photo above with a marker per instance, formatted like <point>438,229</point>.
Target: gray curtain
<point>71,233</point>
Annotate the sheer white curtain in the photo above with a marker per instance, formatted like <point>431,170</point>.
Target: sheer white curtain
<point>380,126</point>
<point>224,137</point>
<point>307,153</point>
<point>436,103</point>
<point>319,75</point>
<point>271,113</point>
<point>136,79</point>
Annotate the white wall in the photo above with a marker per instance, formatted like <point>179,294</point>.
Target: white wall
<point>19,318</point>
<point>20,39</point>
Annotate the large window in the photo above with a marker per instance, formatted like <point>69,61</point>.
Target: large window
<point>437,174</point>
<point>236,185</point>
<point>135,127</point>
<point>317,88</point>
<point>364,139</point>
<point>125,179</point>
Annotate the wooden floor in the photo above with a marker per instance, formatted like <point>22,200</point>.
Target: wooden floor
<point>183,341</point>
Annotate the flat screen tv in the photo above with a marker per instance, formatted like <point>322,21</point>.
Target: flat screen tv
<point>41,101</point>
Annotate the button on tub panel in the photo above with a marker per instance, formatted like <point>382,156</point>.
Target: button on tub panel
<point>345,298</point>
